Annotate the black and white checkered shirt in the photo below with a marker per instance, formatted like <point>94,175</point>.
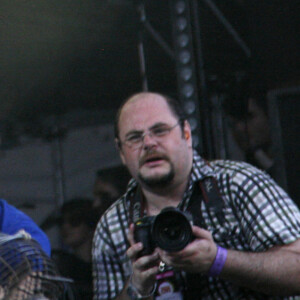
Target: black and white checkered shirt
<point>258,214</point>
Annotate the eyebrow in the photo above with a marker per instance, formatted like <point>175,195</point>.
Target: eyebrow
<point>133,132</point>
<point>158,124</point>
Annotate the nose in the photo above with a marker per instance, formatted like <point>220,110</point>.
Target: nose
<point>148,140</point>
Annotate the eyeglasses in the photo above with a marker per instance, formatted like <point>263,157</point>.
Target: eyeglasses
<point>136,139</point>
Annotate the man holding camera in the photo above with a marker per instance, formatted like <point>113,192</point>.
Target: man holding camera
<point>245,233</point>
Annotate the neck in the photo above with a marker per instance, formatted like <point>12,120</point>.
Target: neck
<point>158,199</point>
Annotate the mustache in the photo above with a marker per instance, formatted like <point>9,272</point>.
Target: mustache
<point>152,154</point>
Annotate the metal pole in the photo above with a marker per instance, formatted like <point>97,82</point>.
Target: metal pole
<point>205,107</point>
<point>58,169</point>
<point>141,52</point>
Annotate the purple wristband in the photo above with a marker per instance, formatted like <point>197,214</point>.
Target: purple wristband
<point>218,263</point>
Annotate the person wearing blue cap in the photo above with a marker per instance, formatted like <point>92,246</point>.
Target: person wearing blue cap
<point>12,220</point>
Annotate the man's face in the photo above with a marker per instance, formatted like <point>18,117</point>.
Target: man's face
<point>254,130</point>
<point>74,232</point>
<point>158,161</point>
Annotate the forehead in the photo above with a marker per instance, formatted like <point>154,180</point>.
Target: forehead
<point>145,110</point>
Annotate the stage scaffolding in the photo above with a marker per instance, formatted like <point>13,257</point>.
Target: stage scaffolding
<point>202,104</point>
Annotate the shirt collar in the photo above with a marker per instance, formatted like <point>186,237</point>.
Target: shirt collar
<point>201,168</point>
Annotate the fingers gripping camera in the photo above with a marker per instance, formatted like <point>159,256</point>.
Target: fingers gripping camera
<point>170,230</point>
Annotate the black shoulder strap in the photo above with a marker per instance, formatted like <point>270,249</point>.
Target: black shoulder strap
<point>212,197</point>
<point>194,206</point>
<point>207,190</point>
<point>136,209</point>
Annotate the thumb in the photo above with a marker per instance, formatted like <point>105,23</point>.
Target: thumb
<point>201,233</point>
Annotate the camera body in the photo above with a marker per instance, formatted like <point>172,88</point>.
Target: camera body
<point>170,230</point>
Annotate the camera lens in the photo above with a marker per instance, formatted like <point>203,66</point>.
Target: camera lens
<point>172,230</point>
<point>171,233</point>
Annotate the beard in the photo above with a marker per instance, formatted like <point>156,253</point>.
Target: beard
<point>158,181</point>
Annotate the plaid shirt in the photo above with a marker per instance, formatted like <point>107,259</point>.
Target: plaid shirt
<point>258,214</point>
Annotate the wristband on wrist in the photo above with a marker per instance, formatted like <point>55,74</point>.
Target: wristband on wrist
<point>134,294</point>
<point>219,262</point>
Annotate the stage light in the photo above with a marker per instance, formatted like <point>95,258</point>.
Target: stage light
<point>181,24</point>
<point>186,73</point>
<point>185,65</point>
<point>180,7</point>
<point>193,123</point>
<point>189,107</point>
<point>183,40</point>
<point>187,90</point>
<point>184,57</point>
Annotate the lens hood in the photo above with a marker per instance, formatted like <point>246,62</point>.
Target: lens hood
<point>172,230</point>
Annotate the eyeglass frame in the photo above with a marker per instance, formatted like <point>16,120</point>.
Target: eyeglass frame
<point>168,130</point>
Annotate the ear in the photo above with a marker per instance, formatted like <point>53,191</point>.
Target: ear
<point>119,148</point>
<point>187,133</point>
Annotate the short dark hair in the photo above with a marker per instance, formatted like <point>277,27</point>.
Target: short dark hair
<point>117,175</point>
<point>238,94</point>
<point>174,105</point>
<point>82,209</point>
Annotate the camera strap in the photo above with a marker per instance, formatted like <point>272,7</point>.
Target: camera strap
<point>212,197</point>
<point>204,190</point>
<point>137,206</point>
<point>170,282</point>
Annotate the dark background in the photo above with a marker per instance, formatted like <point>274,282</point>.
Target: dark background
<point>69,58</point>
<point>65,66</point>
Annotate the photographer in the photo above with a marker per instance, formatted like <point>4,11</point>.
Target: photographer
<point>246,230</point>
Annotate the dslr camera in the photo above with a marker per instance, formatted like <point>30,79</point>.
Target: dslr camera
<point>170,230</point>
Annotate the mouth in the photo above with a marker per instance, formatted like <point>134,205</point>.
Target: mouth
<point>152,160</point>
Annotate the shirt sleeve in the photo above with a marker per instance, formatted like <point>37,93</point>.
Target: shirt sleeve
<point>268,216</point>
<point>111,267</point>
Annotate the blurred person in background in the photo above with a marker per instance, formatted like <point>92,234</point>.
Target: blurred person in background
<point>263,128</point>
<point>27,272</point>
<point>13,220</point>
<point>247,109</point>
<point>109,185</point>
<point>77,223</point>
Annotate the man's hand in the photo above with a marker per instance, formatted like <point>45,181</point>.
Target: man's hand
<point>196,257</point>
<point>144,268</point>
